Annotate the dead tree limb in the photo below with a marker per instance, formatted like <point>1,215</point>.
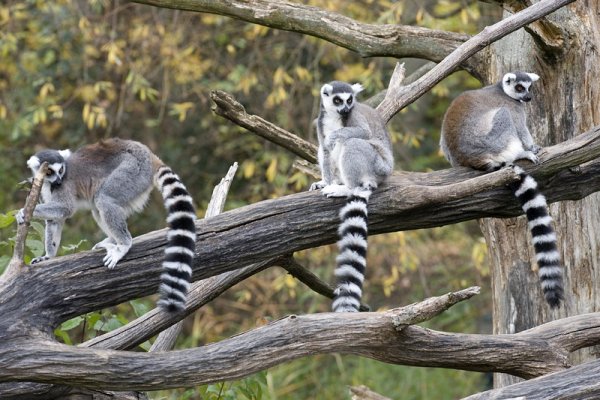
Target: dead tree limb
<point>368,40</point>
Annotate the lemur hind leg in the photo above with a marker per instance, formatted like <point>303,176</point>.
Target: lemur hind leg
<point>112,205</point>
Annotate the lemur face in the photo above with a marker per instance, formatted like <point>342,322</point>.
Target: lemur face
<point>339,97</point>
<point>517,84</point>
<point>56,164</point>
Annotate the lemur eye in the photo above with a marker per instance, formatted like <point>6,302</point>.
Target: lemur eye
<point>61,170</point>
<point>337,101</point>
<point>519,88</point>
<point>349,101</point>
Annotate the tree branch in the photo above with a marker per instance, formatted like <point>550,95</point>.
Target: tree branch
<point>227,107</point>
<point>373,335</point>
<point>366,39</point>
<point>17,260</point>
<point>579,382</point>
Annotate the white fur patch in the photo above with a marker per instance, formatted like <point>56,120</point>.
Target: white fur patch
<point>537,201</point>
<point>549,238</point>
<point>354,221</point>
<point>65,153</point>
<point>357,88</point>
<point>179,250</point>
<point>533,77</point>
<point>512,151</point>
<point>349,255</point>
<point>172,200</point>
<point>177,266</point>
<point>166,278</point>
<point>548,256</point>
<point>550,272</point>
<point>352,240</point>
<point>528,183</point>
<point>181,232</point>
<point>33,163</point>
<point>348,271</point>
<point>336,191</point>
<point>547,220</point>
<point>180,214</point>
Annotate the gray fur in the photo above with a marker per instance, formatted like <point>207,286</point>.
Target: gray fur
<point>487,128</point>
<point>355,156</point>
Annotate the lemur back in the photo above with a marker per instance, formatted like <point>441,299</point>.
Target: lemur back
<point>486,129</point>
<point>355,156</point>
<point>114,178</point>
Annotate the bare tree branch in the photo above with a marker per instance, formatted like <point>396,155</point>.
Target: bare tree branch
<point>375,335</point>
<point>366,39</point>
<point>579,382</point>
<point>227,107</point>
<point>17,262</point>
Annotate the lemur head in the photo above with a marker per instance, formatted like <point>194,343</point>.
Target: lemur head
<point>339,97</point>
<point>57,165</point>
<point>517,84</point>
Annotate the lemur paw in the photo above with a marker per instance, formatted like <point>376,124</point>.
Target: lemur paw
<point>317,185</point>
<point>530,155</point>
<point>104,244</point>
<point>40,259</point>
<point>20,216</point>
<point>114,253</point>
<point>336,191</point>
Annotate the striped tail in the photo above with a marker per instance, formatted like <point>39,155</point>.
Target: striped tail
<point>544,238</point>
<point>179,253</point>
<point>352,261</point>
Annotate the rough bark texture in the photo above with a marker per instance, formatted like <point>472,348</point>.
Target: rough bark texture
<point>565,103</point>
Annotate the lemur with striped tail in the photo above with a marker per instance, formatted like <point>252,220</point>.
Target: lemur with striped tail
<point>355,156</point>
<point>486,129</point>
<point>114,178</point>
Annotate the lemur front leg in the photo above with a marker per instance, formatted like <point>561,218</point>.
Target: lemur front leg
<point>55,214</point>
<point>324,158</point>
<point>52,240</point>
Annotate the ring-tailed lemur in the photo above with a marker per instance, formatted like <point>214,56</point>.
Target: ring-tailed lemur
<point>114,179</point>
<point>486,129</point>
<point>355,155</point>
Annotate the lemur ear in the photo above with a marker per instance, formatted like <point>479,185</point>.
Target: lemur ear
<point>326,89</point>
<point>510,77</point>
<point>65,153</point>
<point>33,162</point>
<point>357,88</point>
<point>534,77</point>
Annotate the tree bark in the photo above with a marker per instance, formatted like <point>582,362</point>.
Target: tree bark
<point>565,102</point>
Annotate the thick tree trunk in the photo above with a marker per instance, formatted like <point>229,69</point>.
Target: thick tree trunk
<point>565,102</point>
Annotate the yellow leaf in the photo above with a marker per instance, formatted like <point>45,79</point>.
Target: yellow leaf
<point>45,89</point>
<point>248,168</point>
<point>86,111</point>
<point>91,120</point>
<point>3,112</point>
<point>271,170</point>
<point>464,16</point>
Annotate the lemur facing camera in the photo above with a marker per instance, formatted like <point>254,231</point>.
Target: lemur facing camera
<point>355,156</point>
<point>486,129</point>
<point>114,178</point>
